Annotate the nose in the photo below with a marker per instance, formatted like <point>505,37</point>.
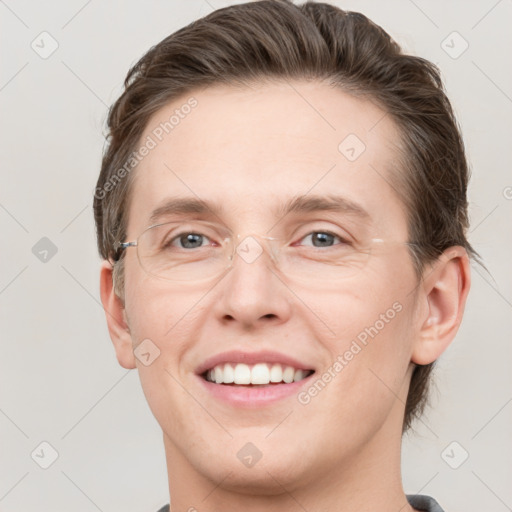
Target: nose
<point>253,292</point>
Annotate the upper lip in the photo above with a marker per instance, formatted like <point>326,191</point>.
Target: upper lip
<point>237,356</point>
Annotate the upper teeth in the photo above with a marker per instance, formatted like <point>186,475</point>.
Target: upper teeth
<point>261,373</point>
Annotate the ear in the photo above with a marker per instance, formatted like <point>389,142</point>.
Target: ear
<point>444,289</point>
<point>116,318</point>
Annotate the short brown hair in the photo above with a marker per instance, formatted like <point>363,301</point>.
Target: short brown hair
<point>275,39</point>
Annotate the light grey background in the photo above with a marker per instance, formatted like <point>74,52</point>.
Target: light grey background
<point>59,379</point>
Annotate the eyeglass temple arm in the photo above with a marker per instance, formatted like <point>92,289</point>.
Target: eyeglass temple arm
<point>124,245</point>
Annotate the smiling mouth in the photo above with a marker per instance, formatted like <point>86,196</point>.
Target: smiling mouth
<point>257,375</point>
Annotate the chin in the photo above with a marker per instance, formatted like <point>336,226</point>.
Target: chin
<point>259,480</point>
<point>267,476</point>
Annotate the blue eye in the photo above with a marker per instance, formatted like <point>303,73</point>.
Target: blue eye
<point>188,240</point>
<point>323,238</point>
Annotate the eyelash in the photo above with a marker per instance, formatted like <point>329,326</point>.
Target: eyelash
<point>324,232</point>
<point>330,233</point>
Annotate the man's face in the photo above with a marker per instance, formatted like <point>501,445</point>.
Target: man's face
<point>251,151</point>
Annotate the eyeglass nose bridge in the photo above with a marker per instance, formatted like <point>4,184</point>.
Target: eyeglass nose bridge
<point>249,247</point>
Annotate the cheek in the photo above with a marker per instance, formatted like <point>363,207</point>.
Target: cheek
<point>369,334</point>
<point>369,342</point>
<point>369,358</point>
<point>165,321</point>
<point>159,310</point>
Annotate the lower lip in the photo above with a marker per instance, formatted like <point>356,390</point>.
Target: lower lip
<point>253,396</point>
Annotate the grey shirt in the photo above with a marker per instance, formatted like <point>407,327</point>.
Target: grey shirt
<point>418,501</point>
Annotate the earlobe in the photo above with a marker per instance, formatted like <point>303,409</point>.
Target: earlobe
<point>445,288</point>
<point>116,318</point>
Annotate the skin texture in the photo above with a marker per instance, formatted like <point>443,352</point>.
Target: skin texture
<point>251,149</point>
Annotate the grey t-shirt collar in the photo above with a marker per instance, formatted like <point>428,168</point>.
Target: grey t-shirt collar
<point>418,501</point>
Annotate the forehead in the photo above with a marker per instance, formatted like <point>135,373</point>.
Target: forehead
<point>253,150</point>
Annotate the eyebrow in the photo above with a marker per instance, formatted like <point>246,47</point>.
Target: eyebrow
<point>297,204</point>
